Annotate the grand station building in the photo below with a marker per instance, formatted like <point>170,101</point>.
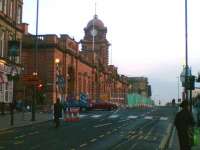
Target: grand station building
<point>64,70</point>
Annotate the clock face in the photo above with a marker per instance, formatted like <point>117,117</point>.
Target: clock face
<point>93,32</point>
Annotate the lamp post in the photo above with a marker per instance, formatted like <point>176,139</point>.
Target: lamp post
<point>57,61</point>
<point>186,52</point>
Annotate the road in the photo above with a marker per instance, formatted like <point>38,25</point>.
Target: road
<point>127,129</point>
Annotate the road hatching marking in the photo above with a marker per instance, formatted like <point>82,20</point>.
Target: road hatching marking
<point>21,136</point>
<point>101,136</point>
<point>93,140</point>
<point>149,133</point>
<point>141,137</point>
<point>19,142</point>
<point>108,132</point>
<point>6,131</point>
<point>33,133</point>
<point>133,136</point>
<point>102,125</point>
<point>83,145</point>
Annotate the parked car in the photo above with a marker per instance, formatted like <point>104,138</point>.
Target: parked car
<point>103,105</point>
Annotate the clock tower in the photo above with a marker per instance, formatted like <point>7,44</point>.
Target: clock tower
<point>95,42</point>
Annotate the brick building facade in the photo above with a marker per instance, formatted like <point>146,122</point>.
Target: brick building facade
<point>65,70</point>
<point>11,31</point>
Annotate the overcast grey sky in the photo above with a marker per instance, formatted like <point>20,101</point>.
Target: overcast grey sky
<point>147,36</point>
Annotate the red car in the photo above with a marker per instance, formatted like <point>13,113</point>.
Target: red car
<point>104,106</point>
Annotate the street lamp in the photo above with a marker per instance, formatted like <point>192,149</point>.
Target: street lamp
<point>57,61</point>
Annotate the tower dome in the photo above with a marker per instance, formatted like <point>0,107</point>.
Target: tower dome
<point>96,22</point>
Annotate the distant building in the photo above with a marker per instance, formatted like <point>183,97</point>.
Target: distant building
<point>139,85</point>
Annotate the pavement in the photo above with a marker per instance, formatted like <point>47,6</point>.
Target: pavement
<point>174,143</point>
<point>23,119</point>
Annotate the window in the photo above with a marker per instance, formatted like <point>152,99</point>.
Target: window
<point>1,87</point>
<point>5,7</point>
<point>11,9</point>
<point>1,43</point>
<point>19,14</point>
<point>1,5</point>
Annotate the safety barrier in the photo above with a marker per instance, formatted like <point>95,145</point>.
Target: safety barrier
<point>72,115</point>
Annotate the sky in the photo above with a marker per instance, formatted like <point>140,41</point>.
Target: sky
<point>147,36</point>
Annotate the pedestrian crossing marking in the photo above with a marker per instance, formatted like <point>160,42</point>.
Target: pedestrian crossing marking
<point>128,117</point>
<point>163,118</point>
<point>132,117</point>
<point>148,117</point>
<point>82,116</point>
<point>96,116</point>
<point>113,116</point>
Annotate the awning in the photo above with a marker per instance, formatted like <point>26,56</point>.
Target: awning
<point>3,78</point>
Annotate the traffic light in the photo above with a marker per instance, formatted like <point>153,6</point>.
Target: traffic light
<point>198,78</point>
<point>40,87</point>
<point>190,82</point>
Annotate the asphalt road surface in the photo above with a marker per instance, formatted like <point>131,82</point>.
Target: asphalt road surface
<point>121,129</point>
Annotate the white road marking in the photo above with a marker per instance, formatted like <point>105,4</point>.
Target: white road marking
<point>82,145</point>
<point>93,140</point>
<point>96,116</point>
<point>101,136</point>
<point>132,117</point>
<point>123,120</point>
<point>163,118</point>
<point>102,125</point>
<point>116,111</point>
<point>148,117</point>
<point>82,116</point>
<point>113,116</point>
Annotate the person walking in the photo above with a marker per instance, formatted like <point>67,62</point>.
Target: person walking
<point>184,123</point>
<point>57,112</point>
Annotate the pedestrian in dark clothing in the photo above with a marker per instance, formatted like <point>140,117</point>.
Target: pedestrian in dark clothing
<point>57,112</point>
<point>184,123</point>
